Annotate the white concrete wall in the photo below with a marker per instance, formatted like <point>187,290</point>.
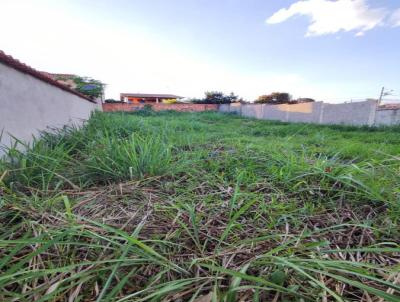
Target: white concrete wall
<point>387,117</point>
<point>255,111</point>
<point>224,108</point>
<point>305,112</point>
<point>235,108</point>
<point>358,113</point>
<point>276,112</point>
<point>298,113</point>
<point>249,111</point>
<point>28,105</point>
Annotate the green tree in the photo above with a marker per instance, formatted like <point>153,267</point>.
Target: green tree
<point>274,98</point>
<point>89,87</point>
<point>217,97</point>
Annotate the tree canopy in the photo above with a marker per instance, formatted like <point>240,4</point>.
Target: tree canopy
<point>217,97</point>
<point>277,98</point>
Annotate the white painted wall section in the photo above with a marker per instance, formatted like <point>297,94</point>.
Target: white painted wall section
<point>29,105</point>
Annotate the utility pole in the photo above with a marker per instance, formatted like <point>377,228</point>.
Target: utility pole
<point>381,96</point>
<point>383,93</point>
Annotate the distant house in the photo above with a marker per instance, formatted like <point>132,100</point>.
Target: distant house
<point>87,86</point>
<point>31,101</point>
<point>389,106</point>
<point>147,98</point>
<point>64,78</point>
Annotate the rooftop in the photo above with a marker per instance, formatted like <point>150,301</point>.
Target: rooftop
<point>151,95</point>
<point>57,76</point>
<point>389,107</point>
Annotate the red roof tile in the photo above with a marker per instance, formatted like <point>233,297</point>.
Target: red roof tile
<point>389,107</point>
<point>14,63</point>
<point>150,95</point>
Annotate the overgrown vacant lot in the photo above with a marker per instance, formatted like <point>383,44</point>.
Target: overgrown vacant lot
<point>201,207</point>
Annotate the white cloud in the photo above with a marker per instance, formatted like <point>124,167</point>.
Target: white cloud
<point>395,18</point>
<point>329,17</point>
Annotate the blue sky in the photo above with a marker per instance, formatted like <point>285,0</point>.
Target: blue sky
<point>329,50</point>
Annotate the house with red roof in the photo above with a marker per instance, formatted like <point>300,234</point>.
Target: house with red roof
<point>148,98</point>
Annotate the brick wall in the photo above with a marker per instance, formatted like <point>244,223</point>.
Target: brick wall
<point>109,107</point>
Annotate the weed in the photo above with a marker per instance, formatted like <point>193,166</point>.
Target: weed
<point>171,206</point>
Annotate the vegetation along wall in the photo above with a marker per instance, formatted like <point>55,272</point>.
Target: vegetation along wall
<point>159,107</point>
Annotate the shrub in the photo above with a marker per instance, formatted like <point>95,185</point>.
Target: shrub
<point>147,110</point>
<point>302,100</point>
<point>112,101</point>
<point>217,97</point>
<point>148,107</point>
<point>274,98</point>
<point>89,87</point>
<point>196,101</point>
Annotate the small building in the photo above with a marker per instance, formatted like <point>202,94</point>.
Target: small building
<point>64,78</point>
<point>92,88</point>
<point>147,98</point>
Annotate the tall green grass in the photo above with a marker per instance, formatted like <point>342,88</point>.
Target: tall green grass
<point>102,152</point>
<point>201,207</point>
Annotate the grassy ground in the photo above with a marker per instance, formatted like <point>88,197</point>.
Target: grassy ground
<point>201,207</point>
